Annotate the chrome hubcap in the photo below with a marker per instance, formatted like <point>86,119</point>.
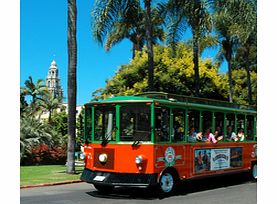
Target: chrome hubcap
<point>254,171</point>
<point>166,182</point>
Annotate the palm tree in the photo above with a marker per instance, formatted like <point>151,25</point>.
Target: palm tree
<point>248,38</point>
<point>130,25</point>
<point>49,103</point>
<point>23,103</point>
<point>107,15</point>
<point>229,18</point>
<point>205,42</point>
<point>247,54</point>
<point>71,83</point>
<point>195,15</point>
<point>149,37</point>
<point>34,89</point>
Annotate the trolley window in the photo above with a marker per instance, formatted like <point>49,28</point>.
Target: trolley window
<point>162,124</point>
<point>104,123</point>
<point>88,124</point>
<point>178,125</point>
<point>135,123</point>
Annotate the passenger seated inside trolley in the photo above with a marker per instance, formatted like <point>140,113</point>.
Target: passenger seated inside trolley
<point>193,135</point>
<point>218,134</point>
<point>240,136</point>
<point>231,136</point>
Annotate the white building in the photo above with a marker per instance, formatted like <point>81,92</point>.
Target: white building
<point>53,80</point>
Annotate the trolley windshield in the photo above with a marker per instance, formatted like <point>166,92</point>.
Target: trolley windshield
<point>130,122</point>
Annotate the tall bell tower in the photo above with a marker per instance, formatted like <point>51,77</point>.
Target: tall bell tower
<point>53,80</point>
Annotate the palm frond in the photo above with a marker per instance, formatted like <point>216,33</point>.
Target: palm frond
<point>207,41</point>
<point>103,16</point>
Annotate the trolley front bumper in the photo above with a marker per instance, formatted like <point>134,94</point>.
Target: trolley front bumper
<point>118,179</point>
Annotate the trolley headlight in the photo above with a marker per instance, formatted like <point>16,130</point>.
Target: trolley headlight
<point>138,159</point>
<point>103,158</point>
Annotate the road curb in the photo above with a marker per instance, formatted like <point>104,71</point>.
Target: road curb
<point>51,184</point>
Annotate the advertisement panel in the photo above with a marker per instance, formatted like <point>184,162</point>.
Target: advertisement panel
<point>217,159</point>
<point>220,159</point>
<point>202,160</point>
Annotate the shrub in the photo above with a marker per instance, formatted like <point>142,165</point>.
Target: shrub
<point>43,154</point>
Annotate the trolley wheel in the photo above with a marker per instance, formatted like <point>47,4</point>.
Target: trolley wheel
<point>167,183</point>
<point>254,171</point>
<point>104,188</point>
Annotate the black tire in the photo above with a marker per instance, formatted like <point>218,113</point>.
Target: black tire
<point>104,188</point>
<point>167,183</point>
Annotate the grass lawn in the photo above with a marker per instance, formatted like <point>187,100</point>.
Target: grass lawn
<point>31,175</point>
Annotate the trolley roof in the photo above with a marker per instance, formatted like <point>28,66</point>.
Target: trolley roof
<point>178,100</point>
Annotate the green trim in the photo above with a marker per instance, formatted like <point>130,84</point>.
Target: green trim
<point>245,127</point>
<point>213,122</point>
<point>255,128</point>
<point>117,122</point>
<point>92,125</point>
<point>236,125</point>
<point>170,125</point>
<point>204,107</point>
<point>181,104</point>
<point>186,125</point>
<point>215,106</point>
<point>85,125</point>
<point>224,127</point>
<point>200,121</point>
<point>152,125</point>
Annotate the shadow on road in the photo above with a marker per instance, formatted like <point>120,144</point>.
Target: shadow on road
<point>185,188</point>
<point>211,183</point>
<point>126,193</point>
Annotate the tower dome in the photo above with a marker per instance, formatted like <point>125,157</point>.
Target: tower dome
<point>53,65</point>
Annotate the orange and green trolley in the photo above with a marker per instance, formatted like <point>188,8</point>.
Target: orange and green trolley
<point>154,139</point>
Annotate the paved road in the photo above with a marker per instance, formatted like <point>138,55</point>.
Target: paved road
<point>226,190</point>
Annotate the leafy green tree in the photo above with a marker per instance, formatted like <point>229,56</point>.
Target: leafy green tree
<point>173,75</point>
<point>71,84</point>
<point>241,86</point>
<point>183,14</point>
<point>80,129</point>
<point>60,126</point>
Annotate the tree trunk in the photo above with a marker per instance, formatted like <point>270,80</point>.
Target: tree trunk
<point>136,47</point>
<point>134,51</point>
<point>71,83</point>
<point>196,64</point>
<point>227,46</point>
<point>247,67</point>
<point>230,81</point>
<point>147,5</point>
<point>50,117</point>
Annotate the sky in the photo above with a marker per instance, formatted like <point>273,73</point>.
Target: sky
<point>43,38</point>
